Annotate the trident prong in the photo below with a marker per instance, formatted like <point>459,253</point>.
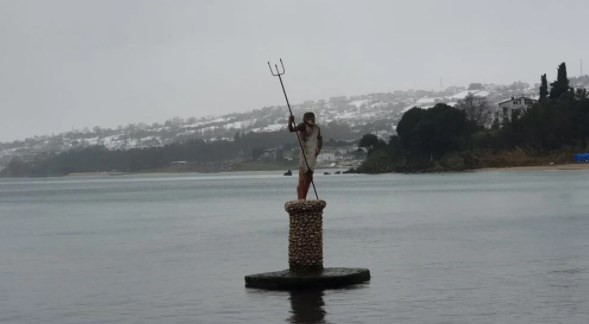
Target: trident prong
<point>277,70</point>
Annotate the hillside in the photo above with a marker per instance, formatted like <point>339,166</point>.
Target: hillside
<point>376,113</point>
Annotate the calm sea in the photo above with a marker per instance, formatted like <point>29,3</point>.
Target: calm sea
<point>484,247</point>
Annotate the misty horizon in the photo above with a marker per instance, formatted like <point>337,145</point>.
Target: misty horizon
<point>85,128</point>
<point>70,65</point>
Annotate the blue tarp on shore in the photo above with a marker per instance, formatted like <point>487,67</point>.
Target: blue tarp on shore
<point>582,157</point>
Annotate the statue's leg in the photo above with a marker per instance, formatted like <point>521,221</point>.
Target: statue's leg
<point>301,184</point>
<point>308,180</point>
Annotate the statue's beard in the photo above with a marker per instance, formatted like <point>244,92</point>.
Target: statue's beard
<point>310,122</point>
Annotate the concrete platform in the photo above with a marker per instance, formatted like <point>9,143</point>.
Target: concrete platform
<point>328,278</point>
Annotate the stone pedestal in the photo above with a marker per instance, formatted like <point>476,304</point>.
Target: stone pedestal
<point>305,238</point>
<point>305,255</point>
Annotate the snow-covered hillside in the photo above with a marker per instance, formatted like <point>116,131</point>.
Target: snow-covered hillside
<point>377,113</point>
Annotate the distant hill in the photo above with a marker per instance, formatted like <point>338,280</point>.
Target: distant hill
<point>376,113</point>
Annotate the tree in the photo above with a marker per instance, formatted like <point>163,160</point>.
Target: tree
<point>581,94</point>
<point>543,87</point>
<point>561,85</point>
<point>368,141</point>
<point>15,168</point>
<point>495,124</point>
<point>371,142</point>
<point>476,108</point>
<point>257,152</point>
<point>408,122</point>
<point>428,134</point>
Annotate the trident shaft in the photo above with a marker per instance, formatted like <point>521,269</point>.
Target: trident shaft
<point>279,75</point>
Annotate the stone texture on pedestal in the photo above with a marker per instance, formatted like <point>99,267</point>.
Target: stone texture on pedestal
<point>305,240</point>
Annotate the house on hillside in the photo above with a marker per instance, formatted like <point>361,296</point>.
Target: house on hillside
<point>328,155</point>
<point>515,106</point>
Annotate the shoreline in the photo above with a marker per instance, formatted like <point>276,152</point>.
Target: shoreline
<point>554,167</point>
<point>294,171</point>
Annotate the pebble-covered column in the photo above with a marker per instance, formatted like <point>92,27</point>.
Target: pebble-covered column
<point>305,240</point>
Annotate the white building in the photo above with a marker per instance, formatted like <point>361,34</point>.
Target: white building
<point>514,106</point>
<point>327,155</point>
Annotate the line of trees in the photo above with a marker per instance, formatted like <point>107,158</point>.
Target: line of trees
<point>197,153</point>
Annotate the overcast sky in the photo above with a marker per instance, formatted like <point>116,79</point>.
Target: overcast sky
<point>75,64</point>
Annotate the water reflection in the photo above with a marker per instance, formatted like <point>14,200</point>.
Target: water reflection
<point>307,307</point>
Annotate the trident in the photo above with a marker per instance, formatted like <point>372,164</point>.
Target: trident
<point>279,75</point>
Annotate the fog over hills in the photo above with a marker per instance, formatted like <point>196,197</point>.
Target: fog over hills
<point>73,64</point>
<point>376,113</point>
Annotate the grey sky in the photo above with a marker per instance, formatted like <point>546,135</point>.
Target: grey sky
<point>75,64</point>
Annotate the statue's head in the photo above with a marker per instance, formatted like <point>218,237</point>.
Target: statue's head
<point>309,118</point>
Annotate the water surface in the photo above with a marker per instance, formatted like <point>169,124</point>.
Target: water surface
<point>484,247</point>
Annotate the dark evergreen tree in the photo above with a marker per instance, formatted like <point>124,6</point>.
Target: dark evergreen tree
<point>370,142</point>
<point>428,134</point>
<point>561,85</point>
<point>543,87</point>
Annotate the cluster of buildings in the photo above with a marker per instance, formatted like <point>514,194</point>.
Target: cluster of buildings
<point>343,156</point>
<point>352,155</point>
